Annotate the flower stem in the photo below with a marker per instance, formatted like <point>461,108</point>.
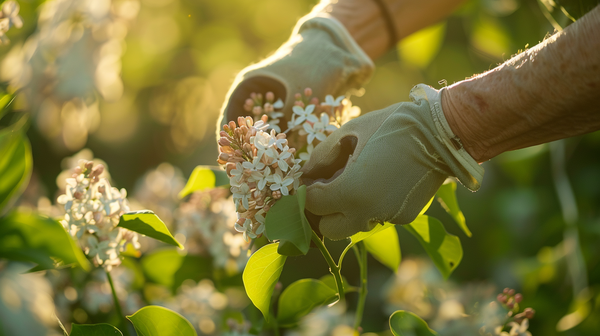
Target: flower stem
<point>124,327</point>
<point>333,268</point>
<point>361,256</point>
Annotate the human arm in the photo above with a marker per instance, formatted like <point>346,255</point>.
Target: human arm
<point>548,92</point>
<point>367,25</point>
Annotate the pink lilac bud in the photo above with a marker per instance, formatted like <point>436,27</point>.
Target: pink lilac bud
<point>249,121</point>
<point>249,102</point>
<point>276,194</point>
<point>308,92</point>
<point>264,118</point>
<point>281,136</point>
<point>299,103</point>
<point>505,291</point>
<point>510,305</point>
<point>298,96</point>
<point>270,97</point>
<point>529,313</point>
<point>257,110</point>
<point>226,128</point>
<point>229,167</point>
<point>232,125</point>
<point>78,195</point>
<point>101,189</point>
<point>224,141</point>
<point>315,101</point>
<point>89,165</point>
<point>99,169</point>
<point>224,156</point>
<point>223,133</point>
<point>518,298</point>
<point>241,121</point>
<point>253,95</point>
<point>511,292</point>
<point>77,170</point>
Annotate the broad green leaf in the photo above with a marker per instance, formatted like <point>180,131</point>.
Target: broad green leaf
<point>426,207</point>
<point>364,235</point>
<point>421,47</point>
<point>404,323</point>
<point>287,223</point>
<point>261,274</point>
<point>170,268</point>
<point>447,198</point>
<point>147,223</point>
<point>16,164</point>
<point>100,329</point>
<point>204,177</point>
<point>33,238</point>
<point>301,297</point>
<point>384,246</point>
<point>160,321</point>
<point>443,248</point>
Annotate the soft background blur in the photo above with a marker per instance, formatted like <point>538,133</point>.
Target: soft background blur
<point>146,88</point>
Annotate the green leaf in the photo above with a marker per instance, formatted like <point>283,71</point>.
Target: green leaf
<point>33,238</point>
<point>147,223</point>
<point>287,223</point>
<point>364,235</point>
<point>301,297</point>
<point>16,164</point>
<point>447,198</point>
<point>261,274</point>
<point>443,248</point>
<point>170,268</point>
<point>100,329</point>
<point>5,103</point>
<point>384,246</point>
<point>204,177</point>
<point>404,323</point>
<point>160,321</point>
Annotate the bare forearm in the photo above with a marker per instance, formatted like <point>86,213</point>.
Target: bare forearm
<point>548,92</point>
<point>365,22</point>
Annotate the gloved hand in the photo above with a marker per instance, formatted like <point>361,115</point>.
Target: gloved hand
<point>320,54</point>
<point>385,166</point>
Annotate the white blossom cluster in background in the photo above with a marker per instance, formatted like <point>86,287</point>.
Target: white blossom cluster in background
<point>454,310</point>
<point>261,169</point>
<point>203,225</point>
<point>26,305</point>
<point>204,306</point>
<point>311,121</point>
<point>93,209</point>
<point>74,55</point>
<point>325,321</point>
<point>9,17</point>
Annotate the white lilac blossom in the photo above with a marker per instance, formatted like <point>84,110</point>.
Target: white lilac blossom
<point>310,123</point>
<point>93,209</point>
<point>261,167</point>
<point>203,224</point>
<point>73,56</point>
<point>9,17</point>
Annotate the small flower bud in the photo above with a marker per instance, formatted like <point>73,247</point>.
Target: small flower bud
<point>232,125</point>
<point>259,97</point>
<point>249,121</point>
<point>249,102</point>
<point>224,156</point>
<point>101,189</point>
<point>510,305</point>
<point>270,97</point>
<point>226,128</point>
<point>315,101</point>
<point>229,167</point>
<point>518,298</point>
<point>99,169</point>
<point>224,141</point>
<point>89,165</point>
<point>298,96</point>
<point>529,313</point>
<point>505,291</point>
<point>276,194</point>
<point>281,136</point>
<point>77,170</point>
<point>264,118</point>
<point>241,121</point>
<point>299,103</point>
<point>308,92</point>
<point>223,133</point>
<point>257,110</point>
<point>253,95</point>
<point>78,195</point>
<point>511,292</point>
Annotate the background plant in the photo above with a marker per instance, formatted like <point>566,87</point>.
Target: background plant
<point>179,60</point>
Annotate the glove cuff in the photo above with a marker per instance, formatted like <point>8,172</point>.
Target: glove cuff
<point>465,168</point>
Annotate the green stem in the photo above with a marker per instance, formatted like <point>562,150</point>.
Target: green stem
<point>361,256</point>
<point>333,268</point>
<point>124,327</point>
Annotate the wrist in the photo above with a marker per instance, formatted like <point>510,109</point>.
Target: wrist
<point>461,118</point>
